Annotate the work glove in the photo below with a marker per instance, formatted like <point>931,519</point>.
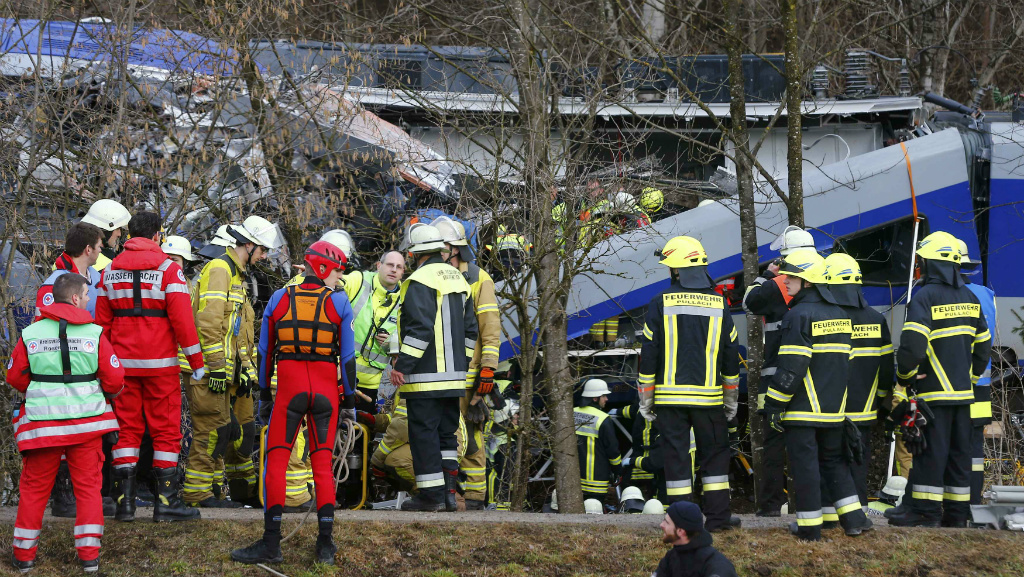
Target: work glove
<point>218,382</point>
<point>198,374</point>
<point>485,381</point>
<point>247,382</point>
<point>235,432</point>
<point>266,405</point>
<point>366,419</point>
<point>734,436</point>
<point>476,413</point>
<point>111,438</point>
<point>853,452</point>
<point>774,417</point>
<point>731,401</point>
<point>647,406</point>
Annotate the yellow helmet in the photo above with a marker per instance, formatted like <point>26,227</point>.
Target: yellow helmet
<point>842,269</point>
<point>940,246</point>
<point>652,199</point>
<point>804,263</point>
<point>683,252</point>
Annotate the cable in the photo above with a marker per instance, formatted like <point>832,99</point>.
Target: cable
<point>841,139</point>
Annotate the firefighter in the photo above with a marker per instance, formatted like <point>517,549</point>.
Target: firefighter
<point>438,331</point>
<point>83,245</point>
<point>65,366</point>
<point>690,391</point>
<point>596,442</point>
<point>111,217</point>
<point>374,296</point>
<point>768,298</point>
<point>944,349</point>
<point>223,423</point>
<point>645,463</point>
<point>509,251</point>
<point>179,249</point>
<point>807,395</point>
<point>981,408</point>
<point>221,240</point>
<point>480,377</point>
<point>143,293</point>
<point>871,362</point>
<point>501,454</point>
<point>306,335</point>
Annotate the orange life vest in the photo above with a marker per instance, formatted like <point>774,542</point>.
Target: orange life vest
<point>305,333</point>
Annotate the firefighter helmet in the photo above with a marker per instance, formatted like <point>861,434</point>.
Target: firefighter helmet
<point>258,231</point>
<point>683,252</point>
<point>842,269</point>
<point>107,214</point>
<point>178,245</point>
<point>596,388</point>
<point>940,246</point>
<point>652,199</point>
<point>791,239</point>
<point>340,239</point>
<point>804,263</point>
<point>654,507</point>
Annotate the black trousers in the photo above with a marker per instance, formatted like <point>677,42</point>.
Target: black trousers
<point>712,436</point>
<point>432,427</point>
<point>817,457</point>
<point>940,480</point>
<point>860,472</point>
<point>977,463</point>
<point>773,460</point>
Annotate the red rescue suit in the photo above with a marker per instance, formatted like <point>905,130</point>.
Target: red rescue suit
<point>145,306</point>
<point>307,330</point>
<point>43,442</point>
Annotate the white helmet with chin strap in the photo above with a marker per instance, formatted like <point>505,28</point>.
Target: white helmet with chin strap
<point>340,239</point>
<point>258,231</point>
<point>791,239</point>
<point>222,237</point>
<point>421,238</point>
<point>107,214</point>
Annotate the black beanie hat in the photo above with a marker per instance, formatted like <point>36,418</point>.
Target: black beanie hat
<point>686,516</point>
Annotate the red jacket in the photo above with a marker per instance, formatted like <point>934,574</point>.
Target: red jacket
<point>147,334</point>
<point>60,433</point>
<point>63,265</point>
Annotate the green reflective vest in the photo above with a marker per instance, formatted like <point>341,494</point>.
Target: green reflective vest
<point>64,361</point>
<point>374,309</point>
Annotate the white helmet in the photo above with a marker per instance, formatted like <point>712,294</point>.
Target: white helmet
<point>706,202</point>
<point>632,500</point>
<point>340,239</point>
<point>258,231</point>
<point>623,201</point>
<point>554,499</point>
<point>596,388</point>
<point>511,408</point>
<point>451,231</point>
<point>178,245</point>
<point>965,261</point>
<point>895,487</point>
<point>791,239</point>
<point>107,214</point>
<point>593,507</point>
<point>222,237</point>
<point>422,238</point>
<point>654,507</point>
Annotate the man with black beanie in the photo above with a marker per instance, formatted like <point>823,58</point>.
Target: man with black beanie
<point>691,553</point>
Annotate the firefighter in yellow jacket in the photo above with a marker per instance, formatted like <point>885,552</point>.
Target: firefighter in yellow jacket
<point>480,378</point>
<point>223,424</point>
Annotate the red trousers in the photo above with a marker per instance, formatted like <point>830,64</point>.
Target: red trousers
<point>305,390</point>
<point>153,401</point>
<point>39,469</point>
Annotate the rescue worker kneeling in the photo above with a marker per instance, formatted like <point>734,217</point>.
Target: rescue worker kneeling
<point>689,374</point>
<point>65,366</point>
<point>596,443</point>
<point>307,330</point>
<point>807,397</point>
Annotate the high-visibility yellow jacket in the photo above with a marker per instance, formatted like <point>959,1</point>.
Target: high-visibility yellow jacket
<point>224,316</point>
<point>488,320</point>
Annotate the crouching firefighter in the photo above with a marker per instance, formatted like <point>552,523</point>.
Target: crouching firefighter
<point>807,397</point>
<point>65,366</point>
<point>307,331</point>
<point>944,349</point>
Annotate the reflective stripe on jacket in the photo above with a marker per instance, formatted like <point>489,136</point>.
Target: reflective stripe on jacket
<point>64,360</point>
<point>438,331</point>
<point>488,320</point>
<point>224,316</point>
<point>872,371</point>
<point>375,308</point>
<point>597,446</point>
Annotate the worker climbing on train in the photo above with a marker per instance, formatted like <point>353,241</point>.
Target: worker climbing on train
<point>306,336</point>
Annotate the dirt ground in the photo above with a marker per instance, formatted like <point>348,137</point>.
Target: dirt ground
<point>387,543</point>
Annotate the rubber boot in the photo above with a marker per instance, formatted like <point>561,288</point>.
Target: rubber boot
<point>22,566</point>
<point>809,533</point>
<point>268,548</point>
<point>109,507</point>
<point>168,505</point>
<point>215,503</point>
<point>430,500</point>
<point>855,530</point>
<point>910,518</point>
<point>124,493</point>
<point>64,504</point>
<point>475,505</point>
<point>451,488</point>
<point>241,493</point>
<point>734,522</point>
<point>325,547</point>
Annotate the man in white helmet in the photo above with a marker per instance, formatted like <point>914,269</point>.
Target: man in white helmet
<point>480,379</point>
<point>596,442</point>
<point>223,423</point>
<point>767,297</point>
<point>438,331</point>
<point>111,217</point>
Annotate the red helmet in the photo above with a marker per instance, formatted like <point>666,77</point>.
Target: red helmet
<point>323,253</point>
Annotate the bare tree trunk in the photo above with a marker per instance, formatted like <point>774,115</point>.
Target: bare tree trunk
<point>794,98</point>
<point>654,20</point>
<point>748,227</point>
